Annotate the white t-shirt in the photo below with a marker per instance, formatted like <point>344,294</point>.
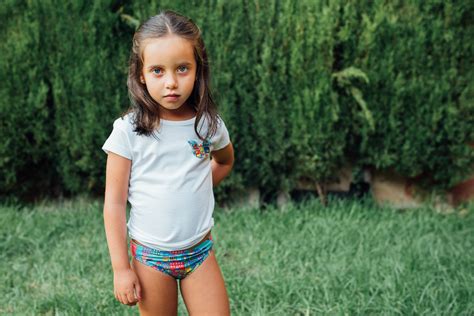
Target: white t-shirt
<point>170,187</point>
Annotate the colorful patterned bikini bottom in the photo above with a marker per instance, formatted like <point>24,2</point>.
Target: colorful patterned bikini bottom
<point>178,263</point>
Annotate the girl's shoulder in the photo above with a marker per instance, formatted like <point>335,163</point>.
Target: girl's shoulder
<point>210,126</point>
<point>219,138</point>
<point>125,122</point>
<point>206,121</point>
<point>220,124</point>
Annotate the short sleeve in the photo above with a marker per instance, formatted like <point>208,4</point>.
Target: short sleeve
<point>118,141</point>
<point>221,138</point>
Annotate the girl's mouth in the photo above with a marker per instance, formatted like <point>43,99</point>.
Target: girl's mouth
<point>172,97</point>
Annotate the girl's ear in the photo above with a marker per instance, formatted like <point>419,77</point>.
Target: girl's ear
<point>142,79</point>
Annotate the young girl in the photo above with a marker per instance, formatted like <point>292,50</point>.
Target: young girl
<point>159,157</point>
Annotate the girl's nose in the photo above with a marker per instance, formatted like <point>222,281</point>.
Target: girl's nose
<point>171,82</point>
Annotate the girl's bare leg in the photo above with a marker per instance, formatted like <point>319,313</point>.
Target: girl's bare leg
<point>204,290</point>
<point>159,291</point>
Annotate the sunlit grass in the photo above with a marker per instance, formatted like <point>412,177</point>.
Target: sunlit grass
<point>349,258</point>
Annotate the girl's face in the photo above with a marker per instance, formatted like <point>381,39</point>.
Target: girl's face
<point>169,73</point>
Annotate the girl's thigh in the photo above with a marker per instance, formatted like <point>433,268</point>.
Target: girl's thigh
<point>159,291</point>
<point>204,290</point>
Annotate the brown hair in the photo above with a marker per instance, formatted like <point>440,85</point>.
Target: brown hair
<point>146,110</point>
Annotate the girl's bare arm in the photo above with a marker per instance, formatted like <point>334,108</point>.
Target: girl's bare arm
<point>115,203</point>
<point>126,286</point>
<point>221,164</point>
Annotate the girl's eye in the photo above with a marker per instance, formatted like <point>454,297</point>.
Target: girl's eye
<point>182,69</point>
<point>157,71</point>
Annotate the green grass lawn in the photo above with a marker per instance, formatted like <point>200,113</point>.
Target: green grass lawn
<point>351,258</point>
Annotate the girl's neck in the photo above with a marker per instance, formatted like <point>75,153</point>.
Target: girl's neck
<point>183,113</point>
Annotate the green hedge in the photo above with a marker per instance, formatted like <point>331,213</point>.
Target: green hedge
<point>27,147</point>
<point>88,77</point>
<point>304,86</point>
<point>418,57</point>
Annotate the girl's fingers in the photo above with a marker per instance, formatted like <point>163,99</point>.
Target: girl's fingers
<point>127,298</point>
<point>123,299</point>
<point>138,291</point>
<point>119,298</point>
<point>130,297</point>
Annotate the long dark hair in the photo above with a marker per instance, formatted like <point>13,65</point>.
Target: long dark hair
<point>146,110</point>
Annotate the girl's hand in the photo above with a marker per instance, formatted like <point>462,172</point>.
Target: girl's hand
<point>126,287</point>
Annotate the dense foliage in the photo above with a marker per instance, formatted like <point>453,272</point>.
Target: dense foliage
<point>304,87</point>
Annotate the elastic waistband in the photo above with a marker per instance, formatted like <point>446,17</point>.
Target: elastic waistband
<point>206,238</point>
<point>206,244</point>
